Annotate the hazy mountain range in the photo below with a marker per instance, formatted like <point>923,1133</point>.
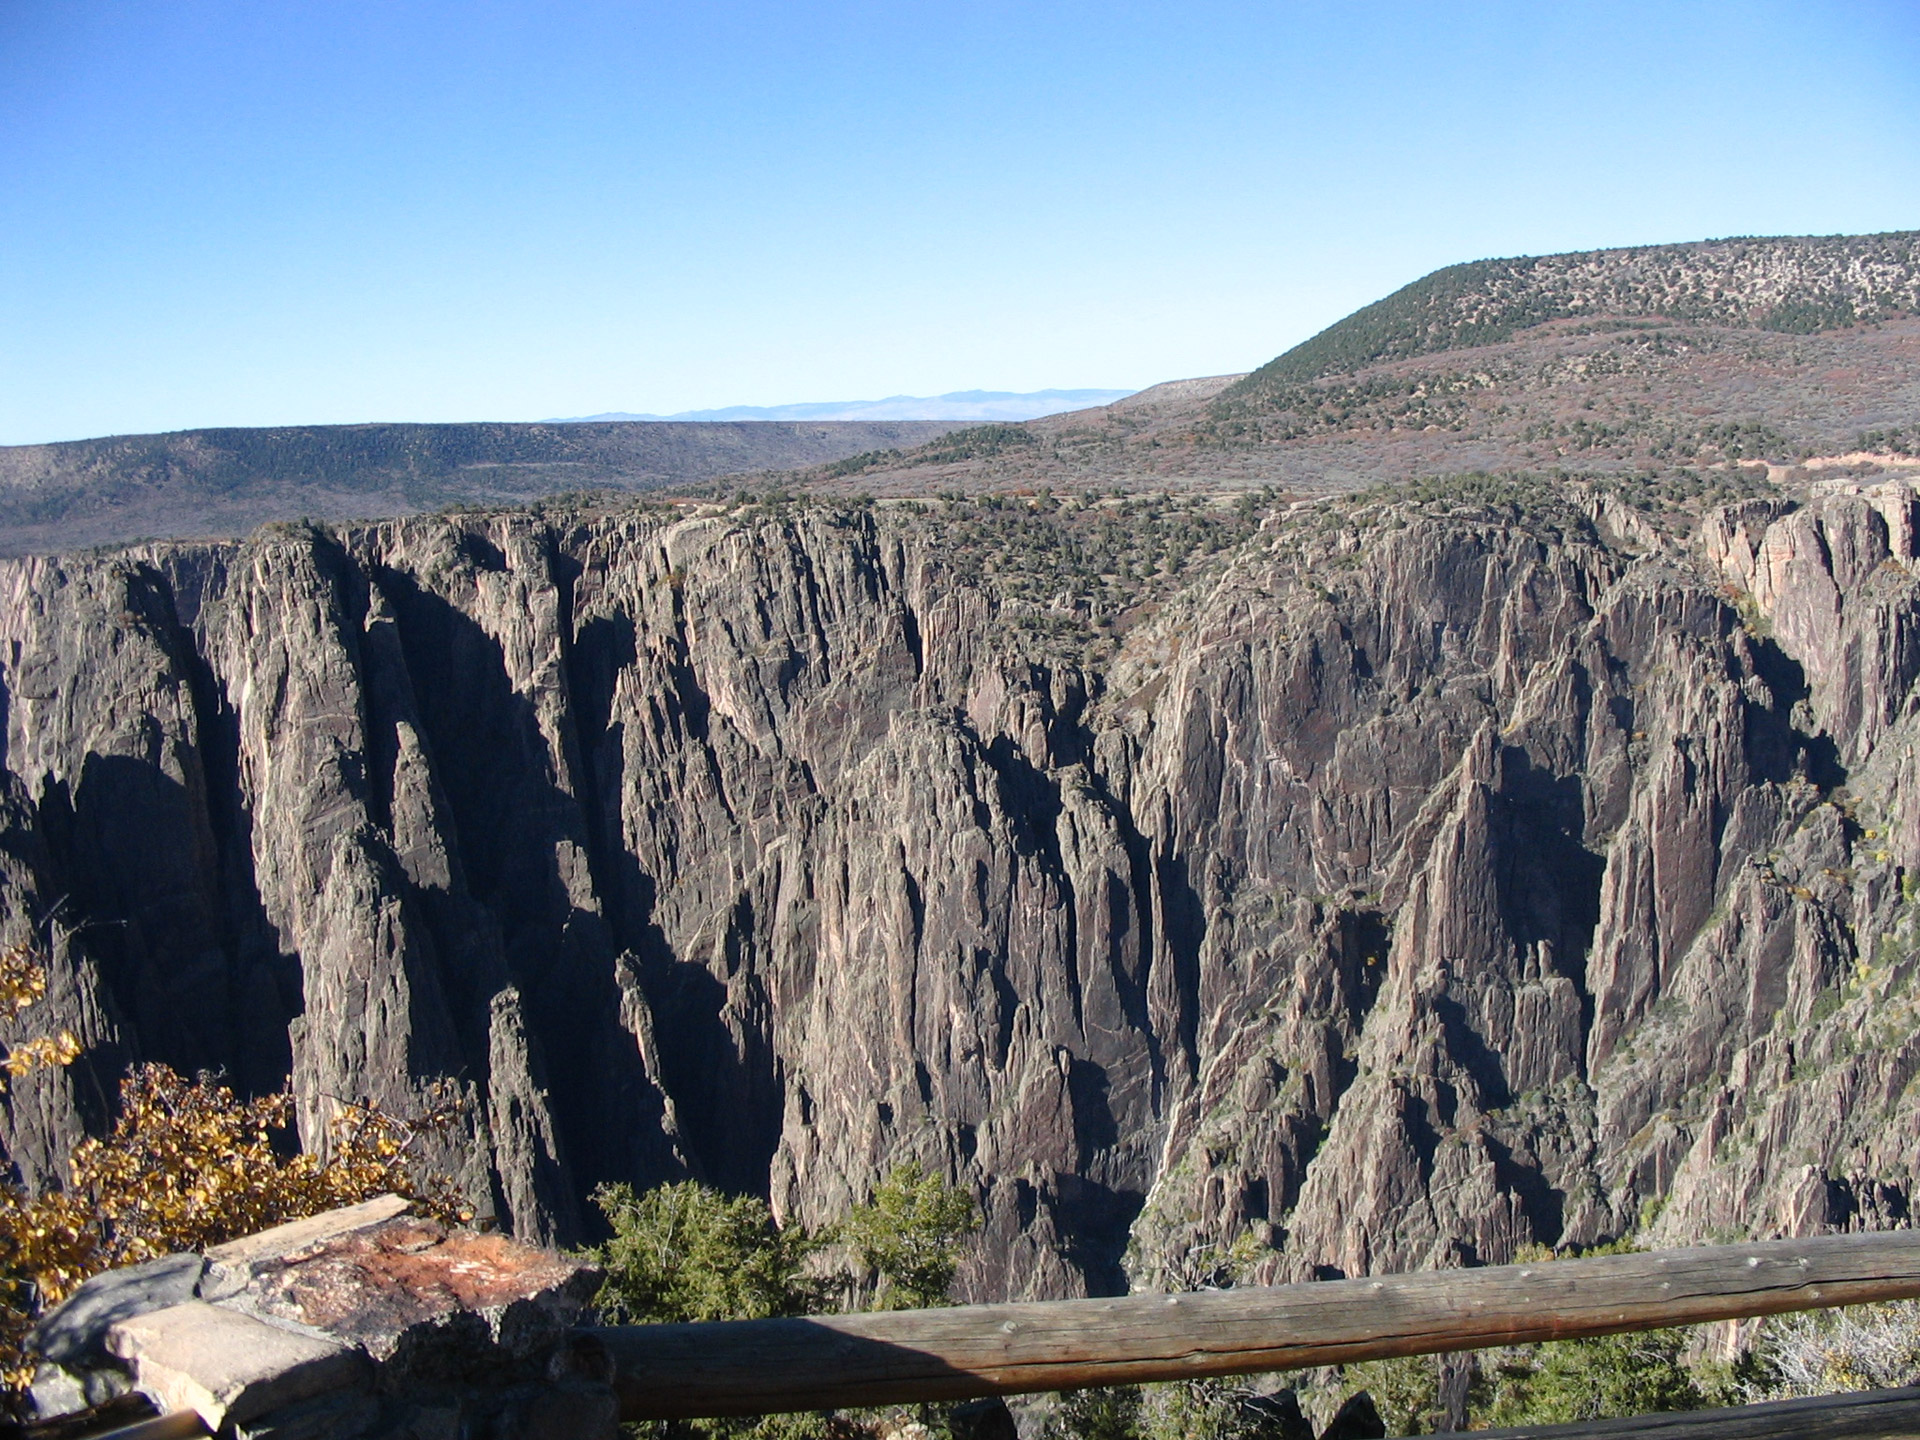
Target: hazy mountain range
<point>980,406</point>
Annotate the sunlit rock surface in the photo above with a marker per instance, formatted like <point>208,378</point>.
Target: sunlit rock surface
<point>1405,883</point>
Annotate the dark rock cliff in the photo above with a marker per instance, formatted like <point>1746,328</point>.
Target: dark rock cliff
<point>1415,882</point>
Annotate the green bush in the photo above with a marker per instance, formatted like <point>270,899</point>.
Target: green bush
<point>1603,1378</point>
<point>687,1253</point>
<point>1105,1414</point>
<point>1209,1409</point>
<point>1405,1390</point>
<point>908,1237</point>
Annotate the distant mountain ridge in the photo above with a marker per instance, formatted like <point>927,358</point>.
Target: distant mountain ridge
<point>978,406</point>
<point>1649,361</point>
<point>212,482</point>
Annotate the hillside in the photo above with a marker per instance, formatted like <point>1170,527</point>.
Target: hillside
<point>1647,361</point>
<point>1796,286</point>
<point>225,482</point>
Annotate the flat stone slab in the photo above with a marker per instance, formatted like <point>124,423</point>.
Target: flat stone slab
<point>229,1366</point>
<point>297,1235</point>
<point>76,1333</point>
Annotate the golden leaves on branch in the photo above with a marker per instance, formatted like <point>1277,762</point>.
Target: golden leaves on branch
<point>23,980</point>
<point>43,1052</point>
<point>23,984</point>
<point>188,1164</point>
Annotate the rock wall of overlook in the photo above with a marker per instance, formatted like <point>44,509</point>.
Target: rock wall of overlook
<point>1411,886</point>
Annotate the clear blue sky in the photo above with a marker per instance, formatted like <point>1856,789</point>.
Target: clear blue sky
<point>220,212</point>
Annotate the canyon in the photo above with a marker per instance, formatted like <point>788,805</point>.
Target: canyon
<point>1421,879</point>
<point>1221,882</point>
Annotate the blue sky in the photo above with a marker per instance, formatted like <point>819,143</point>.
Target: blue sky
<point>238,212</point>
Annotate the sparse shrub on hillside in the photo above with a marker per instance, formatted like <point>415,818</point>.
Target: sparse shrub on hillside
<point>1898,441</point>
<point>1512,496</point>
<point>1485,302</point>
<point>857,464</point>
<point>1429,401</point>
<point>1827,1352</point>
<point>1686,490</point>
<point>978,442</point>
<point>1062,573</point>
<point>1811,313</point>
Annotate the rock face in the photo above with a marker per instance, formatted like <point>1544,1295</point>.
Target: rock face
<point>1416,882</point>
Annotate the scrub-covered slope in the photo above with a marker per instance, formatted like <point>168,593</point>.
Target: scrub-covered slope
<point>1648,361</point>
<point>1795,285</point>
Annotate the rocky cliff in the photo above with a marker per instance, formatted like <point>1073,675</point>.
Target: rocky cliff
<point>1411,877</point>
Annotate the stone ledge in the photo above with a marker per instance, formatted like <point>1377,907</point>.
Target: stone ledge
<point>363,1322</point>
<point>408,1284</point>
<point>229,1366</point>
<point>75,1334</point>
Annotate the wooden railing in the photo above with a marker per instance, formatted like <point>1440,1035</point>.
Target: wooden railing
<point>843,1361</point>
<point>752,1367</point>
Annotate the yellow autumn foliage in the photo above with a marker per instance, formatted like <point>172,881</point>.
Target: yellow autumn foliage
<point>187,1165</point>
<point>23,984</point>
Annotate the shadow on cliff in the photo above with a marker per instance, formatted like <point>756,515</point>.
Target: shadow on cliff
<point>726,1094</point>
<point>511,824</point>
<point>1776,749</point>
<point>1549,881</point>
<point>184,956</point>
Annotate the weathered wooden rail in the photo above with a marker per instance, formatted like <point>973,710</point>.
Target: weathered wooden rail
<point>842,1361</point>
<point>824,1362</point>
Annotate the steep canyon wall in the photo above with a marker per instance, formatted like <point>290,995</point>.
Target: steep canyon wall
<point>1412,883</point>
